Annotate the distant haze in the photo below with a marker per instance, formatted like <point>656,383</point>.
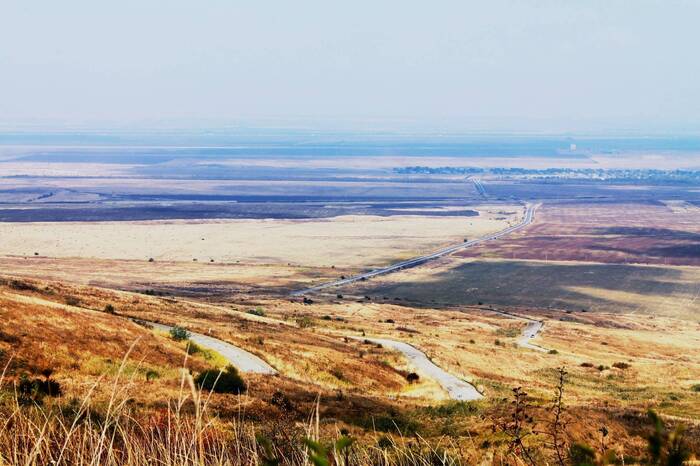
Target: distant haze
<point>534,65</point>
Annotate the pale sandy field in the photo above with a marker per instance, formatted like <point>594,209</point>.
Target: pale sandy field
<point>348,241</point>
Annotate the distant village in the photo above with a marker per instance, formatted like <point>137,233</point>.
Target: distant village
<point>598,174</point>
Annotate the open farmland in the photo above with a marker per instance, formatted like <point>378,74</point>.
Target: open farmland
<point>572,286</point>
<point>663,233</point>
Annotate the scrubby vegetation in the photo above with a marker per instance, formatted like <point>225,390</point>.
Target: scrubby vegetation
<point>179,333</point>
<point>186,432</point>
<point>221,381</point>
<point>258,311</point>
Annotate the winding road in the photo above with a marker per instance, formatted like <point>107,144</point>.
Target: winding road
<point>531,330</point>
<point>241,359</point>
<point>457,388</point>
<point>527,220</point>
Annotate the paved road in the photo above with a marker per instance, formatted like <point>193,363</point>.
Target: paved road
<point>530,331</point>
<point>527,220</point>
<point>457,388</point>
<point>241,359</point>
<point>479,186</point>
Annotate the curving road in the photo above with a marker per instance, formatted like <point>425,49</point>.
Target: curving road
<point>241,359</point>
<point>527,220</point>
<point>457,388</point>
<point>530,331</point>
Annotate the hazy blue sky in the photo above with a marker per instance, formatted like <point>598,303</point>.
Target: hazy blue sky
<point>530,64</point>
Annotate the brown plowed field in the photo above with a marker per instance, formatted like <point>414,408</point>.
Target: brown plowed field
<point>644,233</point>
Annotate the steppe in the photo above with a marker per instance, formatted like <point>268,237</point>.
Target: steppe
<point>92,252</point>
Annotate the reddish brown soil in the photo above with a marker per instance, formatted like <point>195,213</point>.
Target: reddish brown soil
<point>610,233</point>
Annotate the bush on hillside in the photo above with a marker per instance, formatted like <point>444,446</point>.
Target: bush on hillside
<point>221,381</point>
<point>305,322</point>
<point>258,311</point>
<point>179,333</point>
<point>34,390</point>
<point>412,377</point>
<point>73,301</point>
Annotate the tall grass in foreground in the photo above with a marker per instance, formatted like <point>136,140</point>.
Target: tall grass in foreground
<point>85,432</point>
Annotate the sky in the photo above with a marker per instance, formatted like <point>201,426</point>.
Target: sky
<point>493,64</point>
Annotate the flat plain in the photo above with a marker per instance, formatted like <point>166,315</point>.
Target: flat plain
<point>90,252</point>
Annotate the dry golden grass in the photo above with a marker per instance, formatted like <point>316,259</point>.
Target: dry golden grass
<point>346,241</point>
<point>663,353</point>
<point>39,329</point>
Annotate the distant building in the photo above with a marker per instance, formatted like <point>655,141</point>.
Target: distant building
<point>572,147</point>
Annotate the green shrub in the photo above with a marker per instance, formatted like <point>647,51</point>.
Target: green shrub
<point>552,351</point>
<point>621,365</point>
<point>179,333</point>
<point>193,348</point>
<point>696,387</point>
<point>305,322</point>
<point>258,311</point>
<point>218,381</point>
<point>110,309</point>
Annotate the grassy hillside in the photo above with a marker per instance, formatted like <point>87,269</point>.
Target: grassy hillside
<point>133,397</point>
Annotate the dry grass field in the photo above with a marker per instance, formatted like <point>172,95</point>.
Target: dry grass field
<point>672,291</point>
<point>616,286</point>
<point>347,241</point>
<point>363,387</point>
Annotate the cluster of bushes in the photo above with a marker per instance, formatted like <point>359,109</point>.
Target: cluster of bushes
<point>19,285</point>
<point>602,367</point>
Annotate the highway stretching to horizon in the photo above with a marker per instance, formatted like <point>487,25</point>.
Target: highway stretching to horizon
<point>527,220</point>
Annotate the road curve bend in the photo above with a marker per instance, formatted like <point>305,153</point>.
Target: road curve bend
<point>531,330</point>
<point>457,388</point>
<point>240,358</point>
<point>527,220</point>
